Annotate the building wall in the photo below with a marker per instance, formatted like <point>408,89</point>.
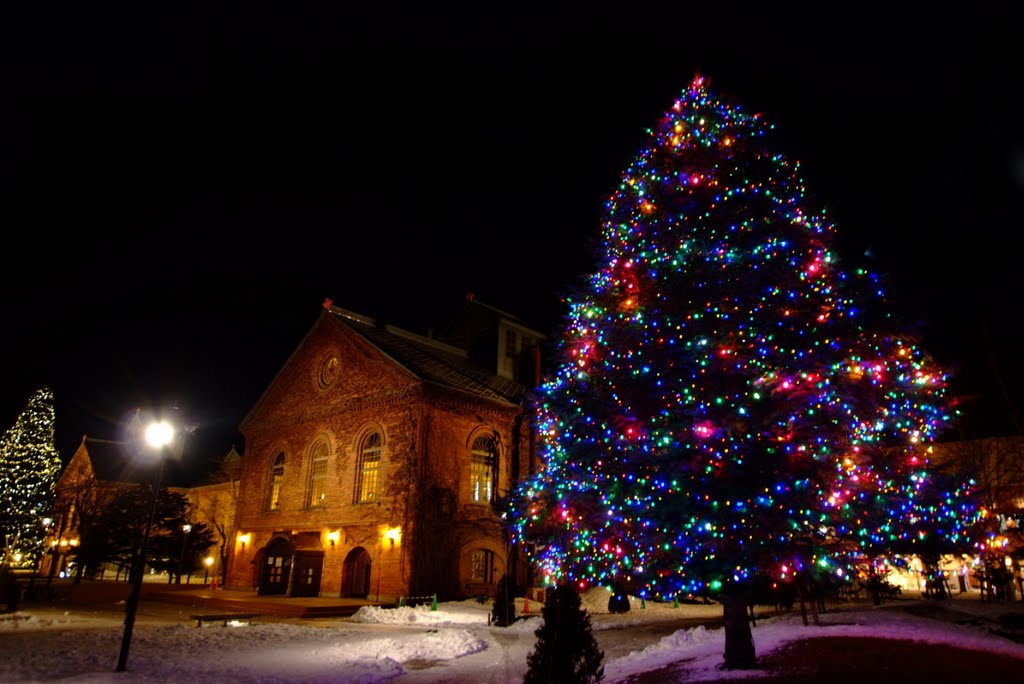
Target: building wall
<point>425,463</point>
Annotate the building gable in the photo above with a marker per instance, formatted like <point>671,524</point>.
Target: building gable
<point>78,470</point>
<point>331,367</point>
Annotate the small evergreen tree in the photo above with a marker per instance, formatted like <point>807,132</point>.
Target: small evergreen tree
<point>112,532</point>
<point>503,613</point>
<point>29,467</point>
<point>566,651</point>
<point>176,551</point>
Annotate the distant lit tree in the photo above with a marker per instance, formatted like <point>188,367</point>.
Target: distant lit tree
<point>29,466</point>
<point>728,404</point>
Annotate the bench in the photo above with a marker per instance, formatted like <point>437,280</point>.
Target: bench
<point>224,618</point>
<point>413,601</point>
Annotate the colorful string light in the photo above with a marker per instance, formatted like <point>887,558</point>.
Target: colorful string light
<point>728,401</point>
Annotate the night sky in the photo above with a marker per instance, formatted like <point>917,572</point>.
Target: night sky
<point>184,187</point>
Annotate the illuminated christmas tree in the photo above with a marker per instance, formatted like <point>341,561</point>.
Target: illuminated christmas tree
<point>29,466</point>
<point>728,402</point>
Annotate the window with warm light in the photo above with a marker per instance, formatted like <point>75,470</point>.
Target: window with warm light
<point>276,478</point>
<point>275,569</point>
<point>483,566</point>
<point>482,469</point>
<point>318,474</point>
<point>368,470</point>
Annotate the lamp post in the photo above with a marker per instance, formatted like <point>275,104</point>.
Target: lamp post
<point>208,561</point>
<point>186,528</point>
<point>157,435</point>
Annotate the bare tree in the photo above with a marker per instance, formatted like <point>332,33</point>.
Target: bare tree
<point>219,507</point>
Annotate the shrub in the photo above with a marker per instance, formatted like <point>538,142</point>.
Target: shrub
<point>503,613</point>
<point>566,651</point>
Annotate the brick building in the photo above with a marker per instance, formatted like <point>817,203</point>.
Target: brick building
<point>376,457</point>
<point>94,475</point>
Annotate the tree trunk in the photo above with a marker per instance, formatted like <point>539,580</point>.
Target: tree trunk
<point>806,592</point>
<point>79,569</point>
<point>739,642</point>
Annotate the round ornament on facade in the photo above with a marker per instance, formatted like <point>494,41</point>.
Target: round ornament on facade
<point>328,371</point>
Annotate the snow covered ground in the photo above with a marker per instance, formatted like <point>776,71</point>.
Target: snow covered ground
<point>408,645</point>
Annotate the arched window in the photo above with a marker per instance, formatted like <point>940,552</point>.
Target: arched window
<point>368,469</point>
<point>482,469</point>
<point>318,474</point>
<point>276,478</point>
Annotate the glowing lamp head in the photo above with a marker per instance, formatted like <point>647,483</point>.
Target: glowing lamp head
<point>159,434</point>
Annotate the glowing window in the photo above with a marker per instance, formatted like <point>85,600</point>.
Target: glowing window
<point>276,478</point>
<point>368,470</point>
<point>318,475</point>
<point>482,469</point>
<point>483,566</point>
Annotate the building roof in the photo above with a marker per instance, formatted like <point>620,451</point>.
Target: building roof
<point>116,461</point>
<point>431,360</point>
<point>112,461</point>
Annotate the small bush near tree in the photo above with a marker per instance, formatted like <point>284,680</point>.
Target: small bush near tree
<point>618,602</point>
<point>566,651</point>
<point>503,613</point>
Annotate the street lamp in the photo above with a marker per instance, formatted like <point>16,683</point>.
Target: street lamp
<point>208,561</point>
<point>157,435</point>
<point>186,528</point>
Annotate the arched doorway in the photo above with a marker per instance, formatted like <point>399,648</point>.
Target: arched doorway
<point>355,579</point>
<point>275,567</point>
<point>292,565</point>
